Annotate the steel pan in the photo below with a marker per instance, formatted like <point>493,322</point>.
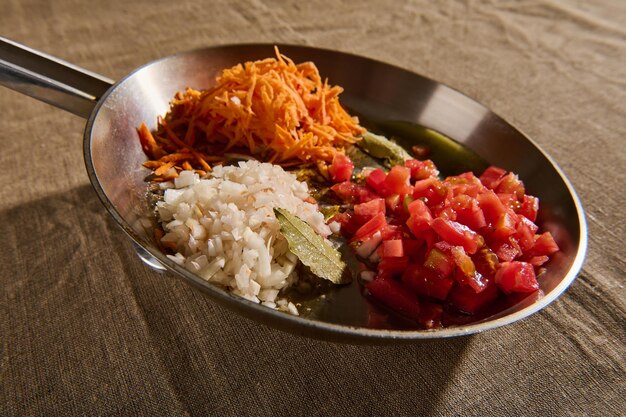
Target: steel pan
<point>113,158</point>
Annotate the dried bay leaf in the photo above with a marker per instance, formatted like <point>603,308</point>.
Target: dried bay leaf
<point>312,249</point>
<point>380,147</point>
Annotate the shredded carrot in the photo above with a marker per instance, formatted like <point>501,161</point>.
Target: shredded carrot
<point>162,170</point>
<point>272,109</point>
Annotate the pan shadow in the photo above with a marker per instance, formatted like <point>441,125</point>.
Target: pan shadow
<point>90,297</point>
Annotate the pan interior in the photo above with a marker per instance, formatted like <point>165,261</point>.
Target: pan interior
<point>375,90</point>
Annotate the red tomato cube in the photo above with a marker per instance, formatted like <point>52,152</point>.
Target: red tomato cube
<point>391,266</point>
<point>391,232</point>
<point>457,234</point>
<point>350,192</point>
<point>430,189</point>
<point>363,212</point>
<point>525,233</point>
<point>414,249</point>
<point>462,261</point>
<point>505,226</point>
<point>465,299</point>
<point>511,184</point>
<point>348,226</point>
<point>516,277</point>
<point>346,191</point>
<point>507,250</point>
<point>375,224</point>
<point>538,260</point>
<point>491,206</point>
<point>341,168</point>
<point>529,207</point>
<point>439,262</point>
<point>392,294</point>
<point>544,245</point>
<point>421,169</point>
<point>397,180</point>
<point>486,262</point>
<point>393,248</point>
<point>376,180</point>
<point>425,282</point>
<point>472,217</point>
<point>392,202</point>
<point>492,176</point>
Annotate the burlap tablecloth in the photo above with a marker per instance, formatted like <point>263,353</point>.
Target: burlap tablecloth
<point>86,328</point>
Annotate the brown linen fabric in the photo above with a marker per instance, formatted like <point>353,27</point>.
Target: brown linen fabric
<point>86,328</point>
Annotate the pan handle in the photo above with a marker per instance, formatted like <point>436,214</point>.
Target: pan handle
<point>50,79</point>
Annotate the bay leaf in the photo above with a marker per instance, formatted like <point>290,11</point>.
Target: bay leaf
<point>362,160</point>
<point>380,147</point>
<point>312,249</point>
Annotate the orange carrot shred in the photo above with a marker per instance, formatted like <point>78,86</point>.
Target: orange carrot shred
<point>162,170</point>
<point>273,109</point>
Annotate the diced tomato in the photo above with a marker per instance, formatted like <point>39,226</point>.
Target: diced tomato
<point>466,272</point>
<point>346,191</point>
<point>491,206</point>
<point>419,209</point>
<point>509,200</point>
<point>421,169</point>
<point>510,184</point>
<point>363,212</point>
<point>397,180</point>
<point>365,194</point>
<point>375,224</point>
<point>460,201</point>
<point>516,277</point>
<point>544,245</point>
<point>420,151</point>
<point>492,176</point>
<point>538,260</point>
<point>525,233</point>
<point>376,180</point>
<point>505,226</point>
<point>457,234</point>
<point>464,298</point>
<point>439,262</point>
<point>392,202</point>
<point>348,226</point>
<point>393,266</point>
<point>341,168</point>
<point>417,226</point>
<point>447,213</point>
<point>462,240</point>
<point>430,189</point>
<point>391,232</point>
<point>529,207</point>
<point>426,282</point>
<point>393,248</point>
<point>465,184</point>
<point>350,192</point>
<point>486,262</point>
<point>464,262</point>
<point>473,217</point>
<point>507,250</point>
<point>414,249</point>
<point>477,282</point>
<point>391,293</point>
<point>419,217</point>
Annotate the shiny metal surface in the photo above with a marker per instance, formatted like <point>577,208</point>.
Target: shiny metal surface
<point>376,90</point>
<point>50,79</point>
